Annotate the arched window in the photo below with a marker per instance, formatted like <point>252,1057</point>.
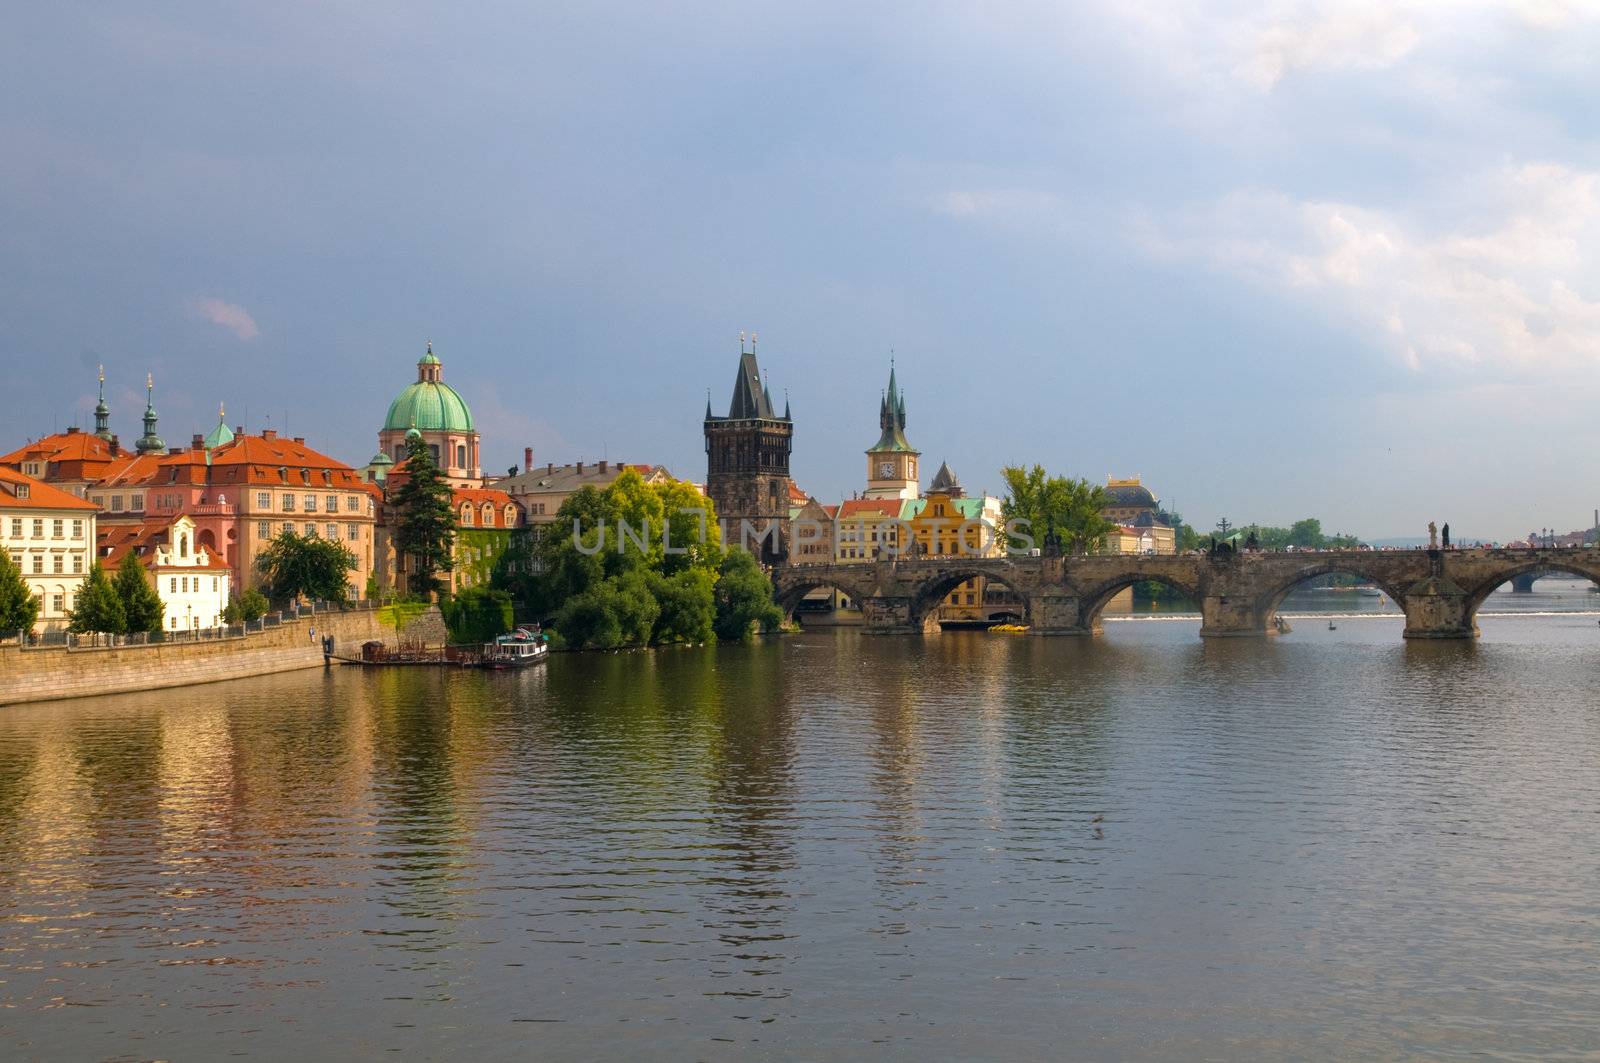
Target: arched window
<point>466,513</point>
<point>511,517</point>
<point>399,452</point>
<point>183,546</point>
<point>461,455</point>
<point>488,515</point>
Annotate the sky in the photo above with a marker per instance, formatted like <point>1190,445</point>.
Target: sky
<point>1280,260</point>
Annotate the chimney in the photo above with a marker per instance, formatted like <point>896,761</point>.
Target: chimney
<point>549,467</point>
<point>116,447</point>
<point>603,464</point>
<point>527,459</point>
<point>72,430</point>
<point>300,439</point>
<point>269,433</point>
<point>580,468</point>
<point>197,441</point>
<point>238,429</point>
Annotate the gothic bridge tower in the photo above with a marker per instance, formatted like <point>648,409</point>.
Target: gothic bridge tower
<point>747,461</point>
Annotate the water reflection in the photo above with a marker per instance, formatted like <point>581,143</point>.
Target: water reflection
<point>1331,844</point>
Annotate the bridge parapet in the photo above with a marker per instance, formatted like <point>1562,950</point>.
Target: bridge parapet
<point>1237,594</point>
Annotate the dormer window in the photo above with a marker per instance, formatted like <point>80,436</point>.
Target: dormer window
<point>283,474</point>
<point>22,490</point>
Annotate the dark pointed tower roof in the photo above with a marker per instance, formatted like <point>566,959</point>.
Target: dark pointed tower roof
<point>752,399</point>
<point>892,419</point>
<point>945,482</point>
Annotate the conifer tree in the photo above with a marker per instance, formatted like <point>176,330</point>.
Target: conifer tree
<point>98,607</point>
<point>18,607</point>
<point>425,529</point>
<point>142,609</point>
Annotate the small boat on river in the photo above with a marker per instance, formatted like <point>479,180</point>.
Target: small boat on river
<point>516,650</point>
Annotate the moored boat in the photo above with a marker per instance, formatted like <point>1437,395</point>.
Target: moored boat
<point>516,650</point>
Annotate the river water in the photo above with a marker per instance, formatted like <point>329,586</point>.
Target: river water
<point>1328,845</point>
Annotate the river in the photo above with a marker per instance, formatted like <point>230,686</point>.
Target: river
<point>1329,845</point>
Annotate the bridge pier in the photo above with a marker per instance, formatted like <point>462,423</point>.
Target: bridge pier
<point>1056,614</point>
<point>1438,609</point>
<point>1225,616</point>
<point>1523,584</point>
<point>886,615</point>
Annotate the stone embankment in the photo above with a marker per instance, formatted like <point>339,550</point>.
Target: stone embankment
<point>51,673</point>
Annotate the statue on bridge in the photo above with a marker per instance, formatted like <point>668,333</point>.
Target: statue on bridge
<point>1446,538</point>
<point>1433,536</point>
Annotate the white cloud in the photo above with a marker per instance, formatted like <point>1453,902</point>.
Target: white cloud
<point>1326,37</point>
<point>230,316</point>
<point>1516,287</point>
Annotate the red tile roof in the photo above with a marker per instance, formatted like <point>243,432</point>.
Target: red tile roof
<point>877,507</point>
<point>38,494</point>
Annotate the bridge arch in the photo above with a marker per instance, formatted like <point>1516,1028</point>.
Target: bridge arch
<point>790,588</point>
<point>1578,567</point>
<point>1093,598</point>
<point>931,593</point>
<point>1273,599</point>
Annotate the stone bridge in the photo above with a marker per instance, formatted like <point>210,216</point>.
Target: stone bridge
<point>1238,594</point>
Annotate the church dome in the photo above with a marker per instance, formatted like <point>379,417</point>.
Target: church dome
<point>429,405</point>
<point>1129,494</point>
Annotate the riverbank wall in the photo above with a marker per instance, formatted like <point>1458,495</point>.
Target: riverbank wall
<point>52,673</point>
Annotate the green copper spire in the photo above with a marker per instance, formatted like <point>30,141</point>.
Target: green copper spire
<point>892,418</point>
<point>150,443</point>
<point>102,412</point>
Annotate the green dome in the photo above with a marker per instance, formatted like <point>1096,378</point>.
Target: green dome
<point>429,405</point>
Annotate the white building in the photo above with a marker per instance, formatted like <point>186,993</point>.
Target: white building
<point>191,581</point>
<point>50,534</point>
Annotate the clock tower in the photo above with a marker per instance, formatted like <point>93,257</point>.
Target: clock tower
<point>892,462</point>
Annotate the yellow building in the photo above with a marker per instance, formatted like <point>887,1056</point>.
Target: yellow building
<point>947,523</point>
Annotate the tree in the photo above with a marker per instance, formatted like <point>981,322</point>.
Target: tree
<point>688,606</point>
<point>477,615</point>
<point>142,609</point>
<point>253,605</point>
<point>1056,509</point>
<point>744,598</point>
<point>98,608</point>
<point>425,528</point>
<point>309,566</point>
<point>19,609</point>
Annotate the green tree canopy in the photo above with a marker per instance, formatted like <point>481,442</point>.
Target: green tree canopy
<point>1057,509</point>
<point>296,566</point>
<point>425,521</point>
<point>744,598</point>
<point>19,609</point>
<point>98,607</point>
<point>477,615</point>
<point>602,587</point>
<point>142,609</point>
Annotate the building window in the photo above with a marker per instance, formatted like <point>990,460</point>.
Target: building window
<point>59,602</point>
<point>38,529</point>
<point>461,456</point>
<point>264,529</point>
<point>183,546</point>
<point>173,588</point>
<point>488,515</point>
<point>352,532</point>
<point>58,529</point>
<point>352,504</point>
<point>77,529</point>
<point>185,587</point>
<point>16,527</point>
<point>332,531</point>
<point>38,564</point>
<point>58,564</point>
<point>136,502</point>
<point>466,514</point>
<point>286,529</point>
<point>331,503</point>
<point>288,503</point>
<point>311,530</point>
<point>433,451</point>
<point>77,564</point>
<point>213,583</point>
<point>311,503</point>
<point>263,499</point>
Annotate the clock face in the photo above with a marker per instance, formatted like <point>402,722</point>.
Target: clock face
<point>885,469</point>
